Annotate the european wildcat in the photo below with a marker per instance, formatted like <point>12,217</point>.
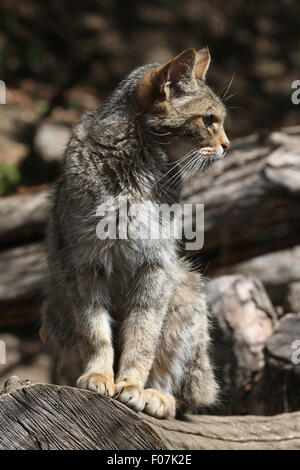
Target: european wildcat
<point>127,317</point>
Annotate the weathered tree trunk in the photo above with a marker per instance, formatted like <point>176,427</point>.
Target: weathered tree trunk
<point>56,417</point>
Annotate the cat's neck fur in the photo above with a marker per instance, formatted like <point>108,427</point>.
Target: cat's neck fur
<point>124,157</point>
<point>133,158</point>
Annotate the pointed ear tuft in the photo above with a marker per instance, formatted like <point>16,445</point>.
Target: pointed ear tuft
<point>202,63</point>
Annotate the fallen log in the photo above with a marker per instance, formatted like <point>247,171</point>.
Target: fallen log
<point>279,273</point>
<point>23,217</point>
<point>52,417</point>
<point>22,273</point>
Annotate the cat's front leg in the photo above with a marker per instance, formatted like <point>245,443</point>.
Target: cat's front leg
<point>96,351</point>
<point>141,333</point>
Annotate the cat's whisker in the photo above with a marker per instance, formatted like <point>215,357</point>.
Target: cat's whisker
<point>189,175</point>
<point>235,107</point>
<point>206,160</point>
<point>192,156</point>
<point>194,171</point>
<point>172,182</point>
<point>230,96</point>
<point>229,86</point>
<point>176,164</point>
<point>189,169</point>
<point>195,166</point>
<point>177,176</point>
<point>181,159</point>
<point>200,165</point>
<point>186,172</point>
<point>222,87</point>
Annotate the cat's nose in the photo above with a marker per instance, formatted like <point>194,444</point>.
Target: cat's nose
<point>225,146</point>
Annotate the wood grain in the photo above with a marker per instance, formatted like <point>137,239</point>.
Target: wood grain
<point>58,417</point>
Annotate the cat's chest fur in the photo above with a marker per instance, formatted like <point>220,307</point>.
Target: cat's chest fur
<point>137,237</point>
<point>126,232</point>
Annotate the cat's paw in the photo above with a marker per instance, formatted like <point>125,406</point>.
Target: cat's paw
<point>97,383</point>
<point>159,405</point>
<point>130,394</point>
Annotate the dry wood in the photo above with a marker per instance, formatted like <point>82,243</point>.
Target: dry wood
<point>273,269</point>
<point>56,417</point>
<point>22,272</point>
<point>292,297</point>
<point>281,378</point>
<point>53,417</point>
<point>278,271</point>
<point>243,319</point>
<point>23,217</point>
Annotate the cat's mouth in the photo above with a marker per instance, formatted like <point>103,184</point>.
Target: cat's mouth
<point>212,153</point>
<point>218,156</point>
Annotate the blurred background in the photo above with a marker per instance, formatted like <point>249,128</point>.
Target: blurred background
<point>61,58</point>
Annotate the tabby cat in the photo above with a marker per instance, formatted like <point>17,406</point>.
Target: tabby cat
<point>127,317</point>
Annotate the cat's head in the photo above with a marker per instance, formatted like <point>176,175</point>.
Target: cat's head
<point>181,110</point>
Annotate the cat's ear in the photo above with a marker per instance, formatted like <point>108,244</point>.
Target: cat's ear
<point>178,73</point>
<point>169,80</point>
<point>202,63</point>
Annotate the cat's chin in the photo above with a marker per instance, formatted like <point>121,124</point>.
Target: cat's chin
<point>215,158</point>
<point>218,155</point>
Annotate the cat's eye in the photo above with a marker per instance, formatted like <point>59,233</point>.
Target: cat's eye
<point>208,121</point>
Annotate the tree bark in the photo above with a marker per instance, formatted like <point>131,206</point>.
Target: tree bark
<point>58,417</point>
